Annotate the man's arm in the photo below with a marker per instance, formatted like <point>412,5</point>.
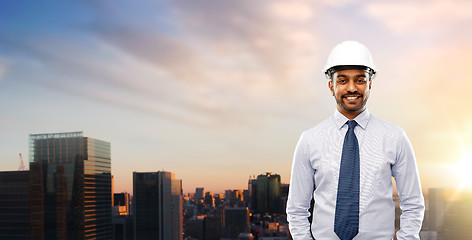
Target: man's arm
<point>408,183</point>
<point>300,192</point>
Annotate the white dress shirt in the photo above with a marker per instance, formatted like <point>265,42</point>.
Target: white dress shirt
<point>384,151</point>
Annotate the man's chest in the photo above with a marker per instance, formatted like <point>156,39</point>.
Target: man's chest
<point>377,153</point>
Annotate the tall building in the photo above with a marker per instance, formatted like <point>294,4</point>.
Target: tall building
<point>252,189</point>
<point>121,203</point>
<point>212,227</point>
<point>19,206</point>
<point>158,205</point>
<point>199,194</point>
<point>194,228</point>
<point>76,172</point>
<point>268,196</point>
<point>436,208</point>
<point>458,218</point>
<point>122,227</point>
<point>121,219</point>
<point>235,221</point>
<point>228,195</point>
<point>209,199</point>
<point>204,227</point>
<point>284,195</point>
<point>219,198</point>
<point>234,198</point>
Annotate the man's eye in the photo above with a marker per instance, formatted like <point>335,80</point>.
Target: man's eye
<point>341,80</point>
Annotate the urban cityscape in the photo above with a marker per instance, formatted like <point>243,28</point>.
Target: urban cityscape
<point>67,193</point>
<point>178,119</point>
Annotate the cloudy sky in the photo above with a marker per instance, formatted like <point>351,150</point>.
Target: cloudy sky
<point>216,91</point>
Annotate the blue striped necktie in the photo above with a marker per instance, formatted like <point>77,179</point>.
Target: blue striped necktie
<point>346,220</point>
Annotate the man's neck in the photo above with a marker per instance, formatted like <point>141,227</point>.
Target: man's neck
<point>350,115</point>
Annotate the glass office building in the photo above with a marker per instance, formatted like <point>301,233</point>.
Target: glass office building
<point>157,206</point>
<point>268,198</point>
<point>235,221</point>
<point>76,173</point>
<point>19,192</point>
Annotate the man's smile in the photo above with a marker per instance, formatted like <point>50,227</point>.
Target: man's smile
<point>351,98</point>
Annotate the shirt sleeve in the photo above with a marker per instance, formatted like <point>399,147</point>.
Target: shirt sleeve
<point>408,183</point>
<point>300,192</point>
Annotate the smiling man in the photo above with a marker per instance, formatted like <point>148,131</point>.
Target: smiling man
<point>346,164</point>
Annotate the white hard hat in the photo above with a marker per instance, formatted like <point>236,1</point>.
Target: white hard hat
<point>349,53</point>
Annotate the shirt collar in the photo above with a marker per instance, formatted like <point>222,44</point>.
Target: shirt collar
<point>361,119</point>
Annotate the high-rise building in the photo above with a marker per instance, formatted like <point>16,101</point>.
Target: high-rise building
<point>246,198</point>
<point>228,194</point>
<point>235,221</point>
<point>212,227</point>
<point>219,198</point>
<point>436,207</point>
<point>76,174</point>
<point>204,227</point>
<point>158,205</point>
<point>234,198</point>
<point>199,194</point>
<point>252,189</point>
<point>268,196</point>
<point>121,203</point>
<point>284,195</point>
<point>122,227</point>
<point>458,218</point>
<point>194,228</point>
<point>19,205</point>
<point>209,199</point>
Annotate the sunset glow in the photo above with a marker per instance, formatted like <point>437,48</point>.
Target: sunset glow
<point>464,170</point>
<point>217,91</point>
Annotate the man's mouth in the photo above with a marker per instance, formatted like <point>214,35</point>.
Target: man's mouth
<point>352,97</point>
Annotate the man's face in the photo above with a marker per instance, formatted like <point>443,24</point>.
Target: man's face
<point>351,90</point>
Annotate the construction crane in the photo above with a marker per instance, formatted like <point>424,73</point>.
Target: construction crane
<point>22,165</point>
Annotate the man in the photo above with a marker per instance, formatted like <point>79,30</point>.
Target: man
<point>346,164</point>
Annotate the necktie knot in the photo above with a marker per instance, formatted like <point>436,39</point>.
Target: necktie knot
<point>352,124</point>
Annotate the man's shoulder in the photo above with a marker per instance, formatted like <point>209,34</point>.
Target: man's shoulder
<point>385,126</point>
<point>320,127</point>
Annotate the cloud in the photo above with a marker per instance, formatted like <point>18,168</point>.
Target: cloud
<point>229,58</point>
<point>3,68</point>
<point>210,63</point>
<point>403,17</point>
<point>214,42</point>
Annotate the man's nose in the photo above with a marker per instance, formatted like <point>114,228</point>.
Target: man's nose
<point>351,86</point>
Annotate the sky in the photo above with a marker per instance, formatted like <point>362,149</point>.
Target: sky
<point>218,91</point>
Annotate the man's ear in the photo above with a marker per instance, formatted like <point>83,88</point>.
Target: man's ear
<point>330,85</point>
<point>370,84</point>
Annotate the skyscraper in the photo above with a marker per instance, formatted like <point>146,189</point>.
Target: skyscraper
<point>209,199</point>
<point>121,203</point>
<point>76,173</point>
<point>158,205</point>
<point>199,193</point>
<point>436,208</point>
<point>19,206</point>
<point>252,188</point>
<point>122,222</point>
<point>235,221</point>
<point>457,218</point>
<point>268,197</point>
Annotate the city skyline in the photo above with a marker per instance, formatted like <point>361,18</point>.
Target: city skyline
<point>216,92</point>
